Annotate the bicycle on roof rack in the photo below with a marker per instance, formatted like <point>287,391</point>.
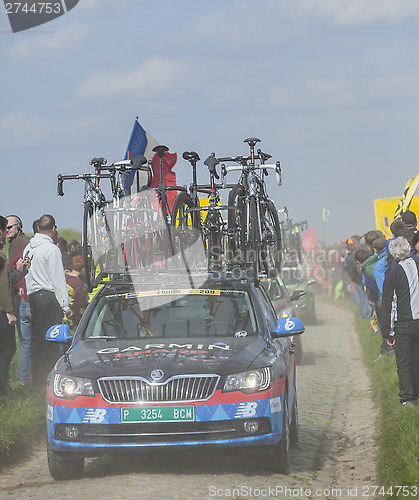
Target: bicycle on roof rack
<point>253,227</point>
<point>103,218</point>
<point>193,218</point>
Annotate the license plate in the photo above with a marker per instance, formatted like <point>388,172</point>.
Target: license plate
<point>158,414</point>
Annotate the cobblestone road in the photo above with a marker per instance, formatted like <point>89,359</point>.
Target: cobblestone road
<point>334,458</point>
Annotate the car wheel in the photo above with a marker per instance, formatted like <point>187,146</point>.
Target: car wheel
<point>279,460</point>
<point>64,469</point>
<point>294,424</point>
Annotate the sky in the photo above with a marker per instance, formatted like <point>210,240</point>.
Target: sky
<point>331,87</point>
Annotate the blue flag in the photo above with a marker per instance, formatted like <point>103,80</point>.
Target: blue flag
<point>140,143</point>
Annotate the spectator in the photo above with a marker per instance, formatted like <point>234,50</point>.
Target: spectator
<point>401,294</point>
<point>63,246</point>
<point>48,296</point>
<point>355,275</point>
<point>379,245</point>
<point>7,318</point>
<point>384,263</point>
<point>371,236</point>
<point>17,238</point>
<point>25,320</point>
<point>367,259</point>
<point>410,219</point>
<point>76,289</point>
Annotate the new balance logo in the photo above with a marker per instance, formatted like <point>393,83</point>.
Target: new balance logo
<point>246,409</point>
<point>94,416</point>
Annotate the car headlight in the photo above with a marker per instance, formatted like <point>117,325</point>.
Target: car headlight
<point>250,381</point>
<point>70,387</point>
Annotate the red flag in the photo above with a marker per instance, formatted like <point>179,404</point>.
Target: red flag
<point>309,240</point>
<point>169,177</point>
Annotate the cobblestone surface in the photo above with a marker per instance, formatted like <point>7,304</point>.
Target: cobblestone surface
<point>334,458</point>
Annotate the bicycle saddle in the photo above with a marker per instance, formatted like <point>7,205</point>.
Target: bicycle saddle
<point>252,141</point>
<point>138,161</point>
<point>191,156</point>
<point>97,161</point>
<point>160,150</point>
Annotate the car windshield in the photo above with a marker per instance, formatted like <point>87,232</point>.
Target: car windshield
<point>172,313</point>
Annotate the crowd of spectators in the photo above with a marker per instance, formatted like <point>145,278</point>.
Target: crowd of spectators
<point>40,286</point>
<point>384,279</point>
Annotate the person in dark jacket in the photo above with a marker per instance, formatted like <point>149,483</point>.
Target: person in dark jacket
<point>17,238</point>
<point>351,267</point>
<point>400,311</point>
<point>367,259</point>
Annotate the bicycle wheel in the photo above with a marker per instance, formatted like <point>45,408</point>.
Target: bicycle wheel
<point>186,225</point>
<point>271,241</point>
<point>254,237</point>
<point>213,242</point>
<point>94,228</point>
<point>236,226</point>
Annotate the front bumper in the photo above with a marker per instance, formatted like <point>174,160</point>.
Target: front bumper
<point>93,427</point>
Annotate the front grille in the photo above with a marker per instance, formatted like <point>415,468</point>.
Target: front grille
<point>139,390</point>
<point>162,432</point>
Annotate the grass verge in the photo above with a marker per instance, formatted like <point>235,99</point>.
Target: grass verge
<point>397,426</point>
<point>22,418</point>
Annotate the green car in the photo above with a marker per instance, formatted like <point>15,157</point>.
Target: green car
<point>294,280</point>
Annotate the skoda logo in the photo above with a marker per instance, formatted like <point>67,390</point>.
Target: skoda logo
<point>157,374</point>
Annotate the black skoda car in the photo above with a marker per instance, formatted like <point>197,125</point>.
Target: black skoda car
<point>155,365</point>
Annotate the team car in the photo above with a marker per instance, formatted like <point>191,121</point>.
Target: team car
<point>157,365</point>
<point>284,306</point>
<point>295,281</point>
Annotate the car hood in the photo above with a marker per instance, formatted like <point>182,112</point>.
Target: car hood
<point>94,359</point>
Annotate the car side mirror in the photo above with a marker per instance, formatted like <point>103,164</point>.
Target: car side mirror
<point>287,327</point>
<point>58,333</point>
<point>297,294</point>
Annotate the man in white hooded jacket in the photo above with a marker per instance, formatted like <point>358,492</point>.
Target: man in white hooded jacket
<point>48,296</point>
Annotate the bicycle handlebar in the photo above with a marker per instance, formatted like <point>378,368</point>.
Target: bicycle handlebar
<point>276,167</point>
<point>84,177</point>
<point>211,162</point>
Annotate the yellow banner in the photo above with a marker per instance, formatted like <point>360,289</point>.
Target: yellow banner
<point>407,196</point>
<point>385,209</point>
<point>173,291</point>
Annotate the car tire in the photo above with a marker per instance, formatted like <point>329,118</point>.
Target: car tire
<point>279,460</point>
<point>294,424</point>
<point>64,469</point>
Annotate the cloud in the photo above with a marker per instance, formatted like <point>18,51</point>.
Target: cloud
<point>50,44</point>
<point>331,92</point>
<point>359,12</point>
<point>18,129</point>
<point>155,76</point>
<point>102,6</point>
